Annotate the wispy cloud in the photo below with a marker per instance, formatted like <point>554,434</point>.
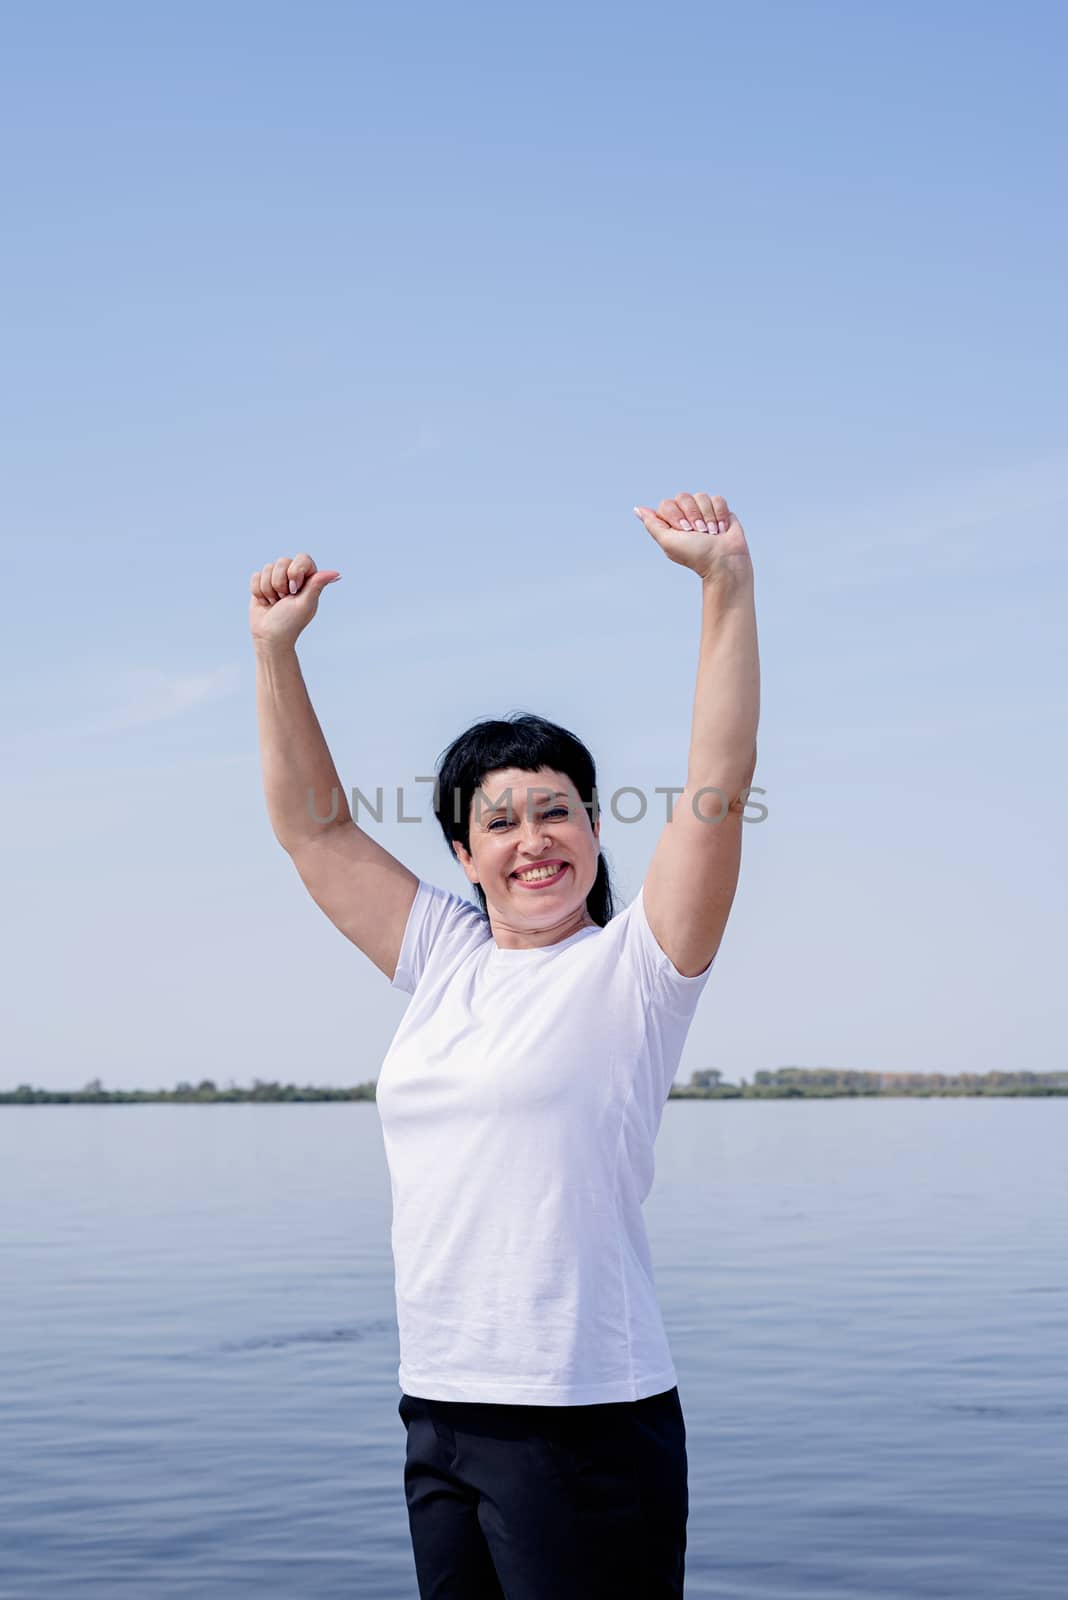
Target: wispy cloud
<point>148,696</point>
<point>491,609</point>
<point>1003,514</point>
<point>425,440</point>
<point>141,697</point>
<point>843,740</point>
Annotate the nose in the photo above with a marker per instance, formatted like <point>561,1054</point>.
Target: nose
<point>534,838</point>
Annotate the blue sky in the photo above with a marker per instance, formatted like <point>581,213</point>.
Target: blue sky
<point>438,295</point>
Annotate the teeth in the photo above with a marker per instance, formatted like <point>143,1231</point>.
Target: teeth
<point>538,872</point>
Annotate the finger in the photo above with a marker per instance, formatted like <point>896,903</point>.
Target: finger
<point>280,576</point>
<point>706,510</point>
<point>714,511</point>
<point>255,586</point>
<point>267,583</point>
<point>670,511</point>
<point>692,512</point>
<point>300,570</point>
<point>721,514</point>
<point>654,524</point>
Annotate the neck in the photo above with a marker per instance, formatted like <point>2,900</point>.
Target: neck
<point>509,936</point>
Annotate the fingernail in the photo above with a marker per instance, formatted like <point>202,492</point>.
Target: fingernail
<point>723,526</point>
<point>701,525</point>
<point>292,585</point>
<point>637,513</point>
<point>685,526</point>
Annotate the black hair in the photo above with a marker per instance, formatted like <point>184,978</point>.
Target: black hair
<point>528,743</point>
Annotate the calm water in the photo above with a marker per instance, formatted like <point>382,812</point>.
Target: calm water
<point>867,1304</point>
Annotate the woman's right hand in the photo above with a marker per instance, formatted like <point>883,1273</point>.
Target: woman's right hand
<point>285,597</point>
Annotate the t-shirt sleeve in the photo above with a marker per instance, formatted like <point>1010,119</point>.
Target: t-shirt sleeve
<point>668,1001</point>
<point>439,923</point>
<point>662,982</point>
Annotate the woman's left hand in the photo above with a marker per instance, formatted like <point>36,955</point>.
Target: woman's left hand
<point>701,532</point>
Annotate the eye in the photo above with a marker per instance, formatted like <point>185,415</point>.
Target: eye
<point>557,811</point>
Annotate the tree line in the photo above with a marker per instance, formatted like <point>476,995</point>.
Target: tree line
<point>779,1083</point>
<point>782,1083</point>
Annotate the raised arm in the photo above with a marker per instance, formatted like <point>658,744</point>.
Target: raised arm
<point>366,892</point>
<point>690,885</point>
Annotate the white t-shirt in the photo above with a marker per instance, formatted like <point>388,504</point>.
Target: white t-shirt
<point>519,1100</point>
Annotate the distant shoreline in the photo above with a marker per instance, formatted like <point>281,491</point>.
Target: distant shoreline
<point>782,1083</point>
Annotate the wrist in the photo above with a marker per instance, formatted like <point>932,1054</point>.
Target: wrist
<point>274,650</point>
<point>728,587</point>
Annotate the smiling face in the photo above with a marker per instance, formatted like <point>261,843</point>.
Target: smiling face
<point>546,826</point>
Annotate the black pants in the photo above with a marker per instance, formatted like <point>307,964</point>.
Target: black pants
<point>510,1502</point>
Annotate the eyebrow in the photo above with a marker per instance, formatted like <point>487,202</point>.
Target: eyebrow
<point>495,810</point>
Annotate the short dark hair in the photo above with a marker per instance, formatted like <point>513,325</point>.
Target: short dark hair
<point>528,743</point>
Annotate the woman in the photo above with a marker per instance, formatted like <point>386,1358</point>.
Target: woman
<point>521,1096</point>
